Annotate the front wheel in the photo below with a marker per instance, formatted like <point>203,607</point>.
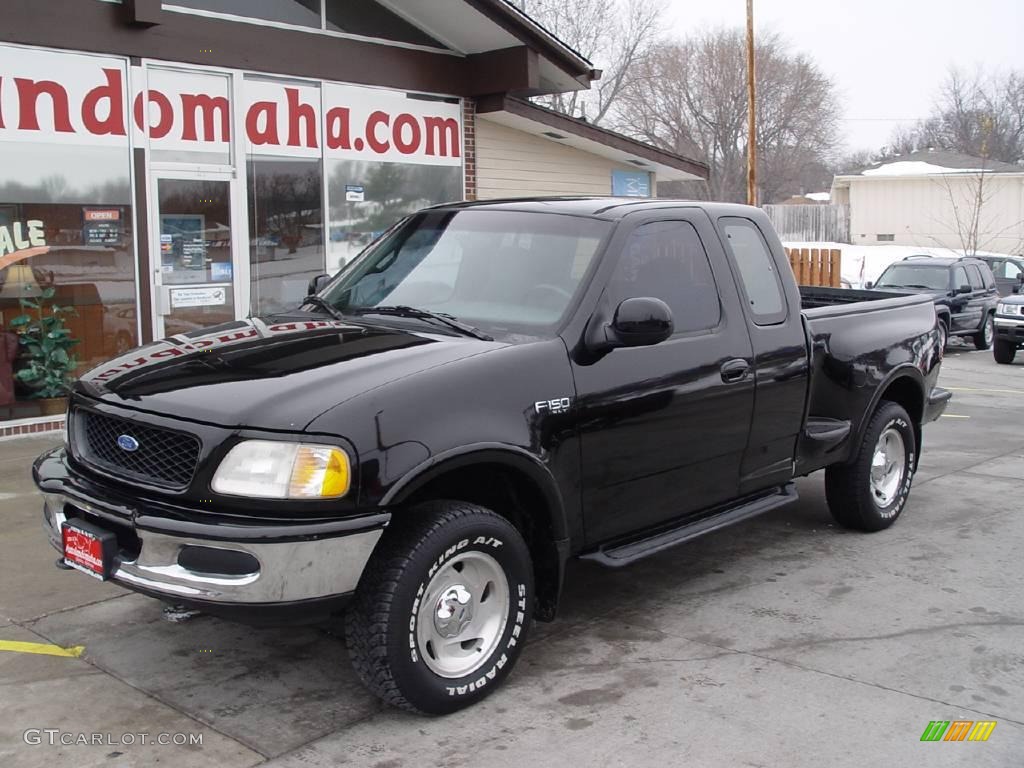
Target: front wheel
<point>869,493</point>
<point>1004,351</point>
<point>443,607</point>
<point>983,338</point>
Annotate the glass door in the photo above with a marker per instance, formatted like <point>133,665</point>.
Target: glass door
<point>194,251</point>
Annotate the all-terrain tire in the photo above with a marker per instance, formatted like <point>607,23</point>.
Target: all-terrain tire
<point>397,592</point>
<point>983,338</point>
<point>853,498</point>
<point>1004,351</point>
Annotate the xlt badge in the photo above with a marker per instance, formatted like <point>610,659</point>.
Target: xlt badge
<point>558,405</point>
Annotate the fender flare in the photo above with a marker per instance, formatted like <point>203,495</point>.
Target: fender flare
<point>491,453</point>
<point>906,371</point>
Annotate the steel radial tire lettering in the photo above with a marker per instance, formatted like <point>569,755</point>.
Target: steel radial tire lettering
<point>413,578</point>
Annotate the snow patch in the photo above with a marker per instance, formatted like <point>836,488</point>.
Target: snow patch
<point>821,197</point>
<point>916,168</point>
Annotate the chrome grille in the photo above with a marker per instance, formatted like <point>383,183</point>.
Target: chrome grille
<point>164,457</point>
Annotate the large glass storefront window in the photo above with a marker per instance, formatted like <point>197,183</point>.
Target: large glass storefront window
<point>67,251</point>
<point>366,198</point>
<point>285,230</point>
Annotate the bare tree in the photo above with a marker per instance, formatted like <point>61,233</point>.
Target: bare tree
<point>690,97</point>
<point>974,111</point>
<point>614,34</point>
<point>969,194</point>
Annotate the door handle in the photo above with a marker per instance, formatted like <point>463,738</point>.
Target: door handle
<point>735,370</point>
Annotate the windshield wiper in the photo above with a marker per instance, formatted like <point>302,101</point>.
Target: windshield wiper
<point>329,308</point>
<point>422,314</point>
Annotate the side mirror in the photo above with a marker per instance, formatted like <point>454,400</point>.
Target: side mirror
<point>317,283</point>
<point>964,289</point>
<point>869,285</point>
<point>640,322</point>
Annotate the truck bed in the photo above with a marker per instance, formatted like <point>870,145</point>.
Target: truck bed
<point>856,339</point>
<point>814,297</point>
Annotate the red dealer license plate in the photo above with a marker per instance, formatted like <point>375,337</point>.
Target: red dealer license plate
<point>88,548</point>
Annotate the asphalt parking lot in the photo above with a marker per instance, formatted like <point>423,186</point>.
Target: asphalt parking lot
<point>785,641</point>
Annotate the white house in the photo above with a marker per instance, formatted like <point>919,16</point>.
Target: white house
<point>934,198</point>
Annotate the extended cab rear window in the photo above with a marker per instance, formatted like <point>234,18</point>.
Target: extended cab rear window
<point>759,276</point>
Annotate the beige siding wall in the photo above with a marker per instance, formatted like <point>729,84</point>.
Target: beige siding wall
<point>921,211</point>
<point>511,163</point>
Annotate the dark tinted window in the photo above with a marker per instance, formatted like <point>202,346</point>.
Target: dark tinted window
<point>666,260</point>
<point>975,276</point>
<point>904,275</point>
<point>987,276</point>
<point>758,274</point>
<point>959,277</point>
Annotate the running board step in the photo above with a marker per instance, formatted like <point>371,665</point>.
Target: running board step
<point>622,554</point>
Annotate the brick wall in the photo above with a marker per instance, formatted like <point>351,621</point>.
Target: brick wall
<point>469,146</point>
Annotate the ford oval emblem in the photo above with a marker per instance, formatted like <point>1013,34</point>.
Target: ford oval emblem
<point>127,443</point>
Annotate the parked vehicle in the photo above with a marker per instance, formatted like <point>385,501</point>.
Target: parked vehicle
<point>1009,329</point>
<point>964,290</point>
<point>1008,272</point>
<point>485,392</point>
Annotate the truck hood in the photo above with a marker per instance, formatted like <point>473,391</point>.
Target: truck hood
<point>277,372</point>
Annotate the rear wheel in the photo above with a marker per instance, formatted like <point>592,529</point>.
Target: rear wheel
<point>869,493</point>
<point>983,338</point>
<point>1004,351</point>
<point>442,609</point>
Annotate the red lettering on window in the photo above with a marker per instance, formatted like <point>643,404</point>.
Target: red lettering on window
<point>375,119</point>
<point>113,123</point>
<point>297,112</point>
<point>206,106</point>
<point>165,121</point>
<point>337,128</point>
<point>252,123</point>
<point>442,136</point>
<point>28,96</point>
<point>403,121</point>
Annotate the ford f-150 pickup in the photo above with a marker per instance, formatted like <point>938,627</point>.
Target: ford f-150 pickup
<point>487,391</point>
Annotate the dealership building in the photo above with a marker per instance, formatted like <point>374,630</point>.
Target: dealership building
<point>166,166</point>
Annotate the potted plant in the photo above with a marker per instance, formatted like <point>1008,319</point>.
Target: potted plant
<point>46,362</point>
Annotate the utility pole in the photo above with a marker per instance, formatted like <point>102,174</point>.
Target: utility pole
<point>751,112</point>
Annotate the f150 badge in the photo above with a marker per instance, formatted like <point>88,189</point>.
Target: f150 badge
<point>558,405</point>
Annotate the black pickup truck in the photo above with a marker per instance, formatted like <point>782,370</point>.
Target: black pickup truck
<point>488,390</point>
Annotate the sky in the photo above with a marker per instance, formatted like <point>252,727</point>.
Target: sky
<point>886,57</point>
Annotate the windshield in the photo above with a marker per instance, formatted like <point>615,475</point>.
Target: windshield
<point>933,278</point>
<point>507,271</point>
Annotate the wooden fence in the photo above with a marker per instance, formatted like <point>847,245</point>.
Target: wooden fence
<point>811,223</point>
<point>816,266</point>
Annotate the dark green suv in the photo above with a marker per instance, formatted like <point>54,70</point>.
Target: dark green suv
<point>964,290</point>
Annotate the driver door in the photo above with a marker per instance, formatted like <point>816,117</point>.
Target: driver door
<point>663,428</point>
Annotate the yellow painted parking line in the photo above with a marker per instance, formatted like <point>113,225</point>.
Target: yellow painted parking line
<point>993,391</point>
<point>954,416</point>
<point>42,648</point>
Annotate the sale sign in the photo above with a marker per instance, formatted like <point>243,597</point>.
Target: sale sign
<point>95,100</point>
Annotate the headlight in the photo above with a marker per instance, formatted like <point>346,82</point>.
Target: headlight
<point>1007,309</point>
<point>275,470</point>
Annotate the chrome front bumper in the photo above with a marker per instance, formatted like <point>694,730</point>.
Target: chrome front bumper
<point>288,571</point>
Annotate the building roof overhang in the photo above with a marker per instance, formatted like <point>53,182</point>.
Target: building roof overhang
<point>561,129</point>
